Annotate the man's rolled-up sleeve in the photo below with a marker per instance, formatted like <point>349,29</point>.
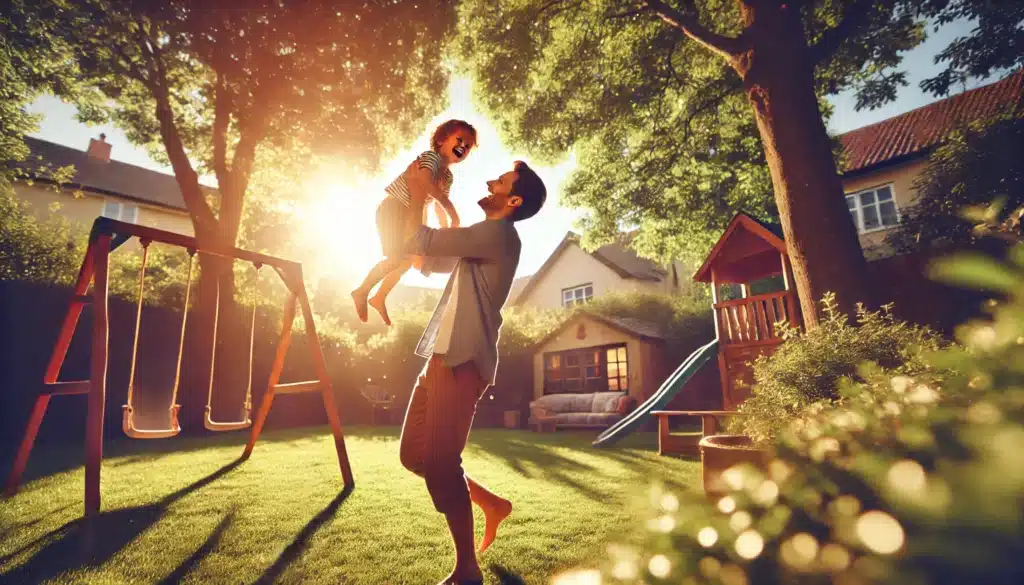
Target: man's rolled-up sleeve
<point>479,241</point>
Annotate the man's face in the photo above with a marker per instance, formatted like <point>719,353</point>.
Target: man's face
<point>457,146</point>
<point>501,196</point>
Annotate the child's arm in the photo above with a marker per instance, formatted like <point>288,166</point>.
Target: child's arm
<point>422,184</point>
<point>449,208</point>
<point>442,217</point>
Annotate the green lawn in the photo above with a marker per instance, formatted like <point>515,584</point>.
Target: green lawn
<point>184,511</point>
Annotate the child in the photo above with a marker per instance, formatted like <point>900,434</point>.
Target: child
<point>404,209</point>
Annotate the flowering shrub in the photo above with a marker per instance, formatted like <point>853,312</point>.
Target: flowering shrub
<point>809,367</point>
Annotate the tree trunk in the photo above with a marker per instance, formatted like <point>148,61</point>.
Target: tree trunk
<point>231,364</point>
<point>822,242</point>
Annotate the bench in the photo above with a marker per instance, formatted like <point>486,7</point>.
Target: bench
<point>686,444</point>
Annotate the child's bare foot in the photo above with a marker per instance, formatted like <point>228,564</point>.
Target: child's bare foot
<point>377,303</point>
<point>493,516</point>
<point>359,297</point>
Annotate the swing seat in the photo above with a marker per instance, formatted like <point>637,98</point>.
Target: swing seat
<point>128,425</point>
<point>212,425</point>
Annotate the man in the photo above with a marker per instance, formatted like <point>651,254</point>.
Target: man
<point>461,344</point>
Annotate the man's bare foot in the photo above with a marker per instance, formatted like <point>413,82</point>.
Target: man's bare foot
<point>359,297</point>
<point>377,303</point>
<point>492,518</point>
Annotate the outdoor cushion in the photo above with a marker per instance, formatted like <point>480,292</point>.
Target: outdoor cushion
<point>603,418</point>
<point>625,406</point>
<point>572,418</point>
<point>606,401</point>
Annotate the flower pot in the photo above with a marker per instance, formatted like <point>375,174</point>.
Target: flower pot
<point>720,452</point>
<point>511,419</point>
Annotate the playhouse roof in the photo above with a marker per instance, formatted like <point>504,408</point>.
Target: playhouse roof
<point>748,250</point>
<point>638,328</point>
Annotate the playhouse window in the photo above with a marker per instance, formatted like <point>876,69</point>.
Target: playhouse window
<point>593,369</point>
<point>873,209</point>
<point>577,295</point>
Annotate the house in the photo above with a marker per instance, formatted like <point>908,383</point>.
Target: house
<point>101,187</point>
<point>883,160</point>
<point>571,276</point>
<point>594,353</point>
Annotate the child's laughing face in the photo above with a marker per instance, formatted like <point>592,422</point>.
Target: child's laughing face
<point>456,147</point>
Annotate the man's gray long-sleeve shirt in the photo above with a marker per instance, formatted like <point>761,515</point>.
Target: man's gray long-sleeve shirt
<point>487,256</point>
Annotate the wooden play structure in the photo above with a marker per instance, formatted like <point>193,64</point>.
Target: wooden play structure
<point>748,252</point>
<point>105,237</point>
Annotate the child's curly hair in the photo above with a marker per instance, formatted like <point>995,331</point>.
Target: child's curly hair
<point>447,129</point>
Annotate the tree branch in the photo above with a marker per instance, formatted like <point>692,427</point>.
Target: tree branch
<point>722,45</point>
<point>221,121</point>
<point>856,14</point>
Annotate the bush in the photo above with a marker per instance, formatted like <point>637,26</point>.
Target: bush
<point>809,367</point>
<point>903,480</point>
<point>35,250</point>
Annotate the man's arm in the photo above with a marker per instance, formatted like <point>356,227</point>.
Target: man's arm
<point>481,241</point>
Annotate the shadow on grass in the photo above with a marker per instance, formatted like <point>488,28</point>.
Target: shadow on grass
<point>301,541</point>
<point>51,459</point>
<point>506,577</point>
<point>201,553</point>
<point>548,458</point>
<point>91,542</point>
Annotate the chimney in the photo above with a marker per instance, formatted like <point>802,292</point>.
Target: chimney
<point>99,149</point>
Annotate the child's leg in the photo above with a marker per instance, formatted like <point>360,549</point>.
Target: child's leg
<point>383,268</point>
<point>389,282</point>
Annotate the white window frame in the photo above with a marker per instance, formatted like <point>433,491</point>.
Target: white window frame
<point>575,296</point>
<point>126,212</point>
<point>858,208</point>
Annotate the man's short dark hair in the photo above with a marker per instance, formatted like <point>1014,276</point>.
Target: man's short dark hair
<point>531,189</point>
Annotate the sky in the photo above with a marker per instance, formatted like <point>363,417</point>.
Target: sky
<point>349,202</point>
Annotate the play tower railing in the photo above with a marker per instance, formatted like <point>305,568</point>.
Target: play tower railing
<point>752,320</point>
<point>107,235</point>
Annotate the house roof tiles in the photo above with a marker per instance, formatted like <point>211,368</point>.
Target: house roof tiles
<point>917,131</point>
<point>108,177</point>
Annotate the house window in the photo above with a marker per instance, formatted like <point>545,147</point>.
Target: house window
<point>873,209</point>
<point>577,295</point>
<point>125,212</point>
<point>594,369</point>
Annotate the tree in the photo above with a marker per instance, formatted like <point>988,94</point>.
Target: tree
<point>33,60</point>
<point>661,98</point>
<point>221,89</point>
<point>212,89</point>
<point>974,166</point>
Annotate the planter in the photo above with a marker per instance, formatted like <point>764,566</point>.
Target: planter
<point>720,452</point>
<point>511,419</point>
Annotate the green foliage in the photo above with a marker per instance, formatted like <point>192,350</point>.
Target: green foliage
<point>976,165</point>
<point>908,479</point>
<point>810,367</point>
<point>34,59</point>
<point>994,44</point>
<point>36,250</point>
<point>662,127</point>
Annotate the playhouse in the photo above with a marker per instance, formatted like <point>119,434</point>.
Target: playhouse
<point>751,260</point>
<point>751,255</point>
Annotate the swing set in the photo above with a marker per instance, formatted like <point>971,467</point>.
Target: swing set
<point>105,237</point>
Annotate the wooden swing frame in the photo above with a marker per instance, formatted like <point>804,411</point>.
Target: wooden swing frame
<point>106,235</point>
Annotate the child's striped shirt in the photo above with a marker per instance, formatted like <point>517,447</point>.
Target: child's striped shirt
<point>399,188</point>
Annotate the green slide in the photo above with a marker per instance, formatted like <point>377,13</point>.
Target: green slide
<point>672,386</point>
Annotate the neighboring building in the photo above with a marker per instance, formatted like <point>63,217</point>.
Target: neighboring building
<point>102,187</point>
<point>572,276</point>
<point>593,353</point>
<point>883,160</point>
